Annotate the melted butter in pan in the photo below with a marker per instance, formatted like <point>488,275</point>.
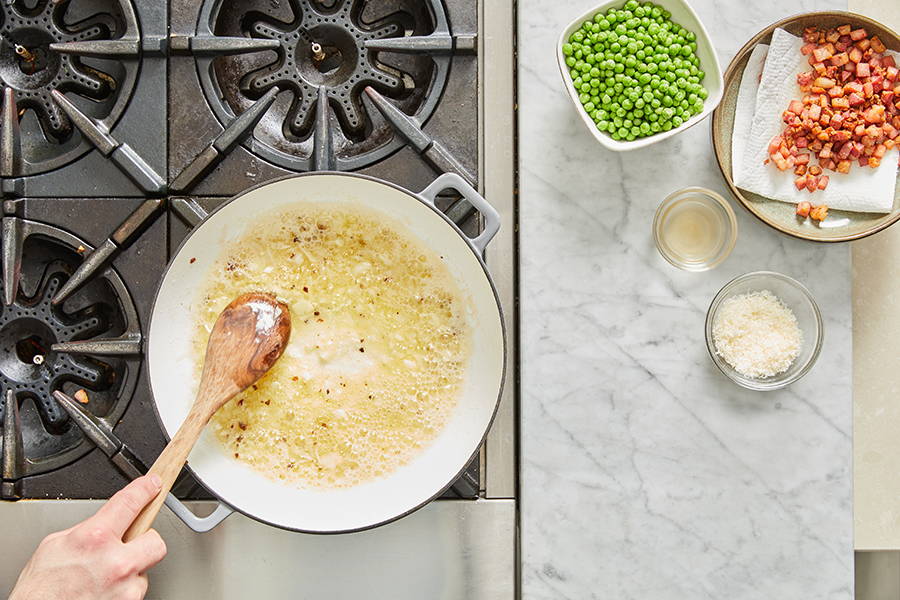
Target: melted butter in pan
<point>377,354</point>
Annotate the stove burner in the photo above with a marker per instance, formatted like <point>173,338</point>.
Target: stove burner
<point>31,365</point>
<point>324,52</point>
<point>32,66</point>
<point>326,55</point>
<point>27,330</point>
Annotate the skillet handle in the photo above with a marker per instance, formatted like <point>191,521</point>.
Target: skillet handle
<point>491,217</point>
<point>198,524</point>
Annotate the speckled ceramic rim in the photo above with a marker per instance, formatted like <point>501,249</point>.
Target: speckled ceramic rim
<point>773,383</point>
<point>730,235</point>
<point>718,118</point>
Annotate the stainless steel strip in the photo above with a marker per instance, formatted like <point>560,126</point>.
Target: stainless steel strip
<point>449,549</point>
<point>497,124</point>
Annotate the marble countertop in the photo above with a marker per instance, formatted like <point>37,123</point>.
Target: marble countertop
<point>645,473</point>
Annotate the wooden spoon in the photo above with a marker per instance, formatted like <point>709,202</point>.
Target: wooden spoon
<point>247,339</point>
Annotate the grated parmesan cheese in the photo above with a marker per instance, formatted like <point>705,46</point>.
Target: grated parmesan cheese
<point>757,334</point>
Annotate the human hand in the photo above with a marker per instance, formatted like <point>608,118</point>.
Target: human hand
<point>89,561</point>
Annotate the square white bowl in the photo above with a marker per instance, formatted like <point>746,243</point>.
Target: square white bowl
<point>682,14</point>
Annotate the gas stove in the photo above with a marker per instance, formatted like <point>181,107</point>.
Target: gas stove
<point>123,123</point>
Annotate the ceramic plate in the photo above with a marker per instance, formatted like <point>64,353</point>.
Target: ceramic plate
<point>840,226</point>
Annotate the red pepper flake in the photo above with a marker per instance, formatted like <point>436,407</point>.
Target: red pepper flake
<point>193,260</point>
<point>362,349</point>
<point>242,425</point>
<point>305,289</point>
<point>295,378</point>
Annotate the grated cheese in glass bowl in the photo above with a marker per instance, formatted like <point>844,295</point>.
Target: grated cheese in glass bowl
<point>764,330</point>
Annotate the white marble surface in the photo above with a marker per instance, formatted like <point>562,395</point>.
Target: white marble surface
<point>645,473</point>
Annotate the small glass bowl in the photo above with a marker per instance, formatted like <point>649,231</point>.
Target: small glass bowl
<point>795,296</point>
<point>724,214</point>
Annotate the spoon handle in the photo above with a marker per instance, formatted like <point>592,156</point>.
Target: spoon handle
<point>168,465</point>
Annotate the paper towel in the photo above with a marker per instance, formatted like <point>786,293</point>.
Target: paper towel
<point>862,190</point>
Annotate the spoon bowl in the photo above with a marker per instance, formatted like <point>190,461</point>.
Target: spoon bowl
<point>247,339</point>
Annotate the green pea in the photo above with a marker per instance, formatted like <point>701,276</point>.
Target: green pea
<point>570,61</point>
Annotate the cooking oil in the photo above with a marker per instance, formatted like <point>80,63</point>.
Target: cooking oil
<point>694,230</point>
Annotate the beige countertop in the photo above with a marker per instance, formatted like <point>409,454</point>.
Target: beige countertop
<point>876,367</point>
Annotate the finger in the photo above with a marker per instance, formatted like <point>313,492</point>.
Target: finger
<point>146,550</point>
<point>119,512</point>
